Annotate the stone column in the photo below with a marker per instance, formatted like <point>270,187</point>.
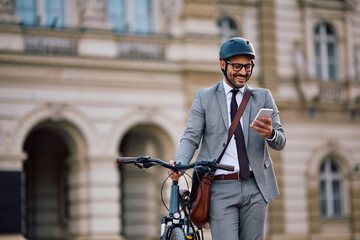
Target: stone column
<point>199,42</point>
<point>276,218</point>
<point>7,12</point>
<point>313,207</point>
<point>103,198</point>
<point>199,17</point>
<point>355,203</point>
<point>173,11</point>
<point>11,38</point>
<point>349,46</point>
<point>268,52</point>
<point>93,18</point>
<point>78,197</point>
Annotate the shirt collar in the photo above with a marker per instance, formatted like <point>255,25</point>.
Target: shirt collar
<point>228,89</point>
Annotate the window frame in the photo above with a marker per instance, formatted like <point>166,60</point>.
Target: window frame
<point>32,12</point>
<point>327,194</point>
<point>47,11</point>
<point>130,16</point>
<point>41,14</point>
<point>324,63</point>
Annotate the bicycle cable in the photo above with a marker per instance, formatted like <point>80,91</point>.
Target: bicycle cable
<point>162,188</point>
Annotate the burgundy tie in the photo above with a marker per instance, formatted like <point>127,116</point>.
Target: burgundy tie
<point>239,138</point>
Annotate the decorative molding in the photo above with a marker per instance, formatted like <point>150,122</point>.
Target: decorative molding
<point>7,12</point>
<point>173,9</point>
<point>46,112</point>
<point>93,14</point>
<point>329,4</point>
<point>57,111</point>
<point>330,147</point>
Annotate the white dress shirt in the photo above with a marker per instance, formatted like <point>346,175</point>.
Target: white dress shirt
<point>230,155</point>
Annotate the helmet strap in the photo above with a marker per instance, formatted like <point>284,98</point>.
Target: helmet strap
<point>252,68</point>
<point>225,73</point>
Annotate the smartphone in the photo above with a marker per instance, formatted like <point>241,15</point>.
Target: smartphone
<point>263,112</point>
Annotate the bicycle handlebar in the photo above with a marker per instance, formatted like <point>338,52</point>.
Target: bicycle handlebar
<point>146,162</point>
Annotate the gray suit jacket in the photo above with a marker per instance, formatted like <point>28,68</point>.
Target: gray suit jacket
<point>208,123</point>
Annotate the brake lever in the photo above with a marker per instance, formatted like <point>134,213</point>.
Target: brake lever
<point>144,165</point>
<point>148,164</point>
<point>139,165</point>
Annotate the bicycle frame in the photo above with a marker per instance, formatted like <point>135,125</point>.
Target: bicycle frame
<point>174,214</point>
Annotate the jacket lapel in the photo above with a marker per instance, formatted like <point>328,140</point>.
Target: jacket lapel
<point>246,119</point>
<point>221,97</point>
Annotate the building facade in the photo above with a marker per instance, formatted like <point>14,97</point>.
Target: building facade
<point>85,81</point>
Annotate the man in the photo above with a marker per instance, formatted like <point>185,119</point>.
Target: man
<point>238,199</point>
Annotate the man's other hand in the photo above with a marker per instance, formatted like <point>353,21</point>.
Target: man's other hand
<point>174,175</point>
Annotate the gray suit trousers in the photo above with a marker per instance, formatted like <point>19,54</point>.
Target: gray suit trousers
<point>237,210</point>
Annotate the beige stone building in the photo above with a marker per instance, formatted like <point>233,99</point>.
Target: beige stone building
<point>84,81</point>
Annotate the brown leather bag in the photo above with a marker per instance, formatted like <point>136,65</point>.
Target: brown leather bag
<point>200,207</point>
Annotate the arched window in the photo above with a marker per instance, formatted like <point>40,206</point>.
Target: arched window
<point>331,189</point>
<point>325,52</point>
<point>48,13</point>
<point>227,28</point>
<point>134,16</point>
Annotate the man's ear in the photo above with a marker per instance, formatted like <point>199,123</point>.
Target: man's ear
<point>222,64</point>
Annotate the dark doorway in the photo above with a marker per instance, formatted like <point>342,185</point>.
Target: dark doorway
<point>46,188</point>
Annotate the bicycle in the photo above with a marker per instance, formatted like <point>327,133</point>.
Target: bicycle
<point>176,226</point>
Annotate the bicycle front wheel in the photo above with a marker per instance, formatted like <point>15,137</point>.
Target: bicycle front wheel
<point>177,234</point>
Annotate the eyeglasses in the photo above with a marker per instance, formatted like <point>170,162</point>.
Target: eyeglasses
<point>237,66</point>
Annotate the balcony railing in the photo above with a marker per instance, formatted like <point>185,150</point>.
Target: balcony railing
<point>331,93</point>
<point>52,45</point>
<point>127,47</point>
<point>141,50</point>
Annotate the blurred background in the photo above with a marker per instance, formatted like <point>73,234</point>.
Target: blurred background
<point>85,81</point>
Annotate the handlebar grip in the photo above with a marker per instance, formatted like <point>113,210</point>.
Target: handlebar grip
<point>227,167</point>
<point>120,160</point>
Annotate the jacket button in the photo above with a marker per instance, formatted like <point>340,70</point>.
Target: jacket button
<point>224,144</point>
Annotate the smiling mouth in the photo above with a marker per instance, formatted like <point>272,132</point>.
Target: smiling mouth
<point>241,78</point>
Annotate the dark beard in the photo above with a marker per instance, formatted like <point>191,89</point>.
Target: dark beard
<point>232,81</point>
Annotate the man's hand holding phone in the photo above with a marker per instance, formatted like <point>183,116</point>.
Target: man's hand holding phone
<point>263,123</point>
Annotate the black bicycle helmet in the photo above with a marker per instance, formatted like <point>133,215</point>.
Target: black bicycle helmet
<point>236,46</point>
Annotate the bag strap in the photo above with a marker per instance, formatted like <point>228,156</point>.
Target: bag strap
<point>236,121</point>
